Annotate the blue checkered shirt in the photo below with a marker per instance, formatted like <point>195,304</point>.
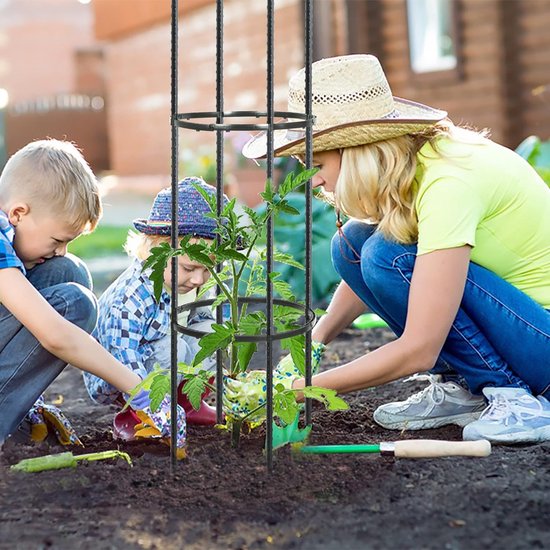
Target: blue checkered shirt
<point>129,321</point>
<point>8,256</point>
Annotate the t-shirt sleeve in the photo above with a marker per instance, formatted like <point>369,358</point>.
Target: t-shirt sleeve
<point>8,257</point>
<point>449,213</point>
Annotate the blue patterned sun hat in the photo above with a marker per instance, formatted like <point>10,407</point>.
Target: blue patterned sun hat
<point>192,210</point>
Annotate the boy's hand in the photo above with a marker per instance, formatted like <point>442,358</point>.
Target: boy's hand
<point>156,425</point>
<point>45,419</point>
<point>246,393</point>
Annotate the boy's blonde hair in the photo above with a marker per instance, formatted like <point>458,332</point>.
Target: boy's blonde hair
<point>52,176</point>
<point>377,180</point>
<point>139,245</point>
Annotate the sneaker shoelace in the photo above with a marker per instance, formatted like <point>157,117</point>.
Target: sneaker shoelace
<point>503,409</point>
<point>435,391</point>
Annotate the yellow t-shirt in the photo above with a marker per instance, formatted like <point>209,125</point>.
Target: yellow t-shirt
<point>488,197</point>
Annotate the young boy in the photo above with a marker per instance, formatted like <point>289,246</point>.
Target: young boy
<point>48,197</point>
<point>132,325</point>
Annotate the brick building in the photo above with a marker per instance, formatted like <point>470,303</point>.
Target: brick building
<point>485,61</point>
<point>52,70</point>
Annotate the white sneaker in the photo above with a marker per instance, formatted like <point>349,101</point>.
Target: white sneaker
<point>440,404</point>
<point>513,416</point>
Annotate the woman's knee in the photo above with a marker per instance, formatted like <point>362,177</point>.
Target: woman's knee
<point>347,243</point>
<point>382,259</point>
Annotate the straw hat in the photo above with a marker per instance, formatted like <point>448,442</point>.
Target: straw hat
<point>353,105</point>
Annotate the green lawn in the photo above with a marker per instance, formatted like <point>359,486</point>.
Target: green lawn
<point>106,240</point>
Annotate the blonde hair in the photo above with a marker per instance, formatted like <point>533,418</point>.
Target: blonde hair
<point>377,181</point>
<point>52,176</point>
<point>139,245</point>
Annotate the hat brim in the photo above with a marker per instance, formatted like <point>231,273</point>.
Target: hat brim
<point>410,117</point>
<point>165,229</point>
<point>143,226</point>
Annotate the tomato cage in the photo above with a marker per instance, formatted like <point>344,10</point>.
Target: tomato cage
<point>221,122</point>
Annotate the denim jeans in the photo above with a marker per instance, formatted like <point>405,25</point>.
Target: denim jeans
<point>500,336</point>
<point>26,368</point>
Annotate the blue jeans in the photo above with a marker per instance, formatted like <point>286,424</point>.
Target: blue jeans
<point>26,368</point>
<point>500,336</point>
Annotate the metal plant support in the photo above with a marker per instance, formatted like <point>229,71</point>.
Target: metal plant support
<point>195,121</point>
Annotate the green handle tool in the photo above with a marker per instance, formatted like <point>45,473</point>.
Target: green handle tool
<point>64,460</point>
<point>410,448</point>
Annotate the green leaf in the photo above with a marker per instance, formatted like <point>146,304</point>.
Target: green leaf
<point>245,351</point>
<point>252,323</point>
<point>295,179</point>
<point>268,193</point>
<point>326,396</point>
<point>209,198</point>
<point>229,208</point>
<point>287,259</point>
<point>283,206</point>
<point>199,253</point>
<point>285,406</point>
<point>158,283</point>
<point>284,289</point>
<point>254,218</point>
<point>219,339</point>
<point>194,388</point>
<point>229,254</point>
<point>297,346</point>
<point>160,387</point>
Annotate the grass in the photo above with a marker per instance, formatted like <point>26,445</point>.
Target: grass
<point>106,240</point>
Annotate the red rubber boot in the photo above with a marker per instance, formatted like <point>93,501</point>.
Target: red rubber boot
<point>205,416</point>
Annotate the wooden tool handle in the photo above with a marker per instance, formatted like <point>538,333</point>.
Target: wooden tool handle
<point>427,448</point>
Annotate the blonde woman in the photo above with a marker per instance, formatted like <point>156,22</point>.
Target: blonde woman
<point>448,241</point>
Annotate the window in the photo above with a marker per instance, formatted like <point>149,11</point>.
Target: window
<point>432,44</point>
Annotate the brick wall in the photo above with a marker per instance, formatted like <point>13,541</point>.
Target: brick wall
<point>47,53</point>
<point>138,67</point>
<point>38,39</point>
<point>504,78</point>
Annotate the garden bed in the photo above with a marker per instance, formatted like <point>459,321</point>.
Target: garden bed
<point>224,498</point>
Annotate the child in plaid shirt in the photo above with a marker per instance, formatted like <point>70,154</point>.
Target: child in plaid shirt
<point>132,325</point>
<point>48,197</point>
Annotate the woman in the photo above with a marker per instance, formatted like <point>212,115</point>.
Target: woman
<point>448,241</point>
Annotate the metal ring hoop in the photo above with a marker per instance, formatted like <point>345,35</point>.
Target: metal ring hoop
<point>309,323</point>
<point>182,120</point>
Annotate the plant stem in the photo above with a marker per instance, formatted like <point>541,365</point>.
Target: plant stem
<point>234,318</point>
<point>236,434</point>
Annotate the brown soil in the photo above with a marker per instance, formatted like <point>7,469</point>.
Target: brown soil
<point>224,498</point>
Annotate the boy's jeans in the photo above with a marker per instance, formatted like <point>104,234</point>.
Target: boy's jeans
<point>26,368</point>
<point>500,336</point>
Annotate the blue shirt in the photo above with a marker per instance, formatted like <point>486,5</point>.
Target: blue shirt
<point>8,256</point>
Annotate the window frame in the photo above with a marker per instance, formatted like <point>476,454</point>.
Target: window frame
<point>451,75</point>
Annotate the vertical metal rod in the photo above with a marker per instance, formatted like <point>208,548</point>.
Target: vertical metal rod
<point>308,47</point>
<point>270,236</point>
<point>174,239</point>
<point>219,188</point>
